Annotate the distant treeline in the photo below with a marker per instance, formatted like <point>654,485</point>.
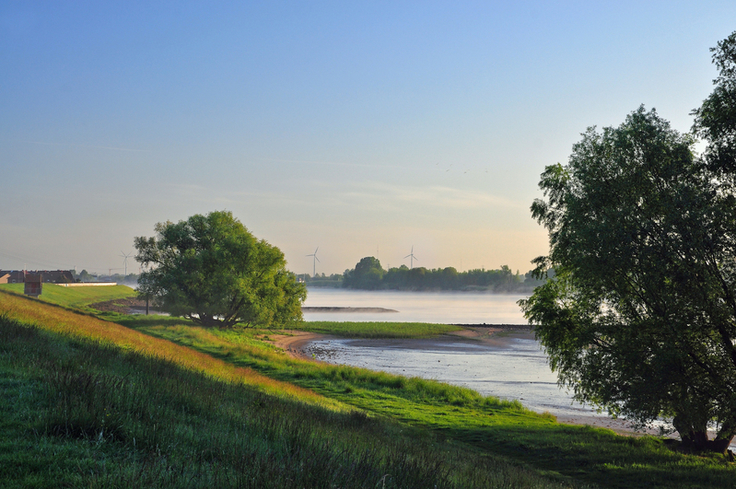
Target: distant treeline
<point>333,281</point>
<point>85,276</point>
<point>368,274</point>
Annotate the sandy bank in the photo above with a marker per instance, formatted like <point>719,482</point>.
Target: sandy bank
<point>294,342</point>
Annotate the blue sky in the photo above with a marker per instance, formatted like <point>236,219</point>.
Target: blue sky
<point>361,128</point>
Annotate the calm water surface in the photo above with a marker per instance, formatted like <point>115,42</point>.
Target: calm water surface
<point>517,370</point>
<point>425,307</point>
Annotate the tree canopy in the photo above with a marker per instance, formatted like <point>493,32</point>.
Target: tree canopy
<point>212,270</point>
<point>367,274</point>
<point>715,120</point>
<point>640,317</point>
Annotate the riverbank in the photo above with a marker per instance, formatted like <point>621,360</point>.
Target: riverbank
<point>317,347</point>
<point>294,342</point>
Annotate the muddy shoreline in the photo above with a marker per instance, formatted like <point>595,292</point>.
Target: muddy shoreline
<point>297,344</point>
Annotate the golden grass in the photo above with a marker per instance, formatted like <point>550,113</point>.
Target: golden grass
<point>58,320</point>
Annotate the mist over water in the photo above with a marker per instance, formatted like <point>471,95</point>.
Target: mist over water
<point>424,307</point>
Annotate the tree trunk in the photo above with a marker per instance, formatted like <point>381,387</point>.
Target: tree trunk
<point>725,435</point>
<point>697,438</point>
<point>719,445</point>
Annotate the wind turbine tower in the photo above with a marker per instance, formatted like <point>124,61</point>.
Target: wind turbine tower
<point>412,257</point>
<point>125,262</point>
<point>314,262</point>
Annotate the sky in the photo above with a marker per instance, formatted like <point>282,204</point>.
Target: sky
<point>358,128</point>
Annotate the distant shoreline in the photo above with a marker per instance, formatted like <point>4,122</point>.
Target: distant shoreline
<point>468,289</point>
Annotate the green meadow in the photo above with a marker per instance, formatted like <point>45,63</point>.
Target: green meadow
<point>76,297</point>
<point>111,400</point>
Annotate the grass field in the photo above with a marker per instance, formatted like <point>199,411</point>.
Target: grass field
<point>76,297</point>
<point>161,403</point>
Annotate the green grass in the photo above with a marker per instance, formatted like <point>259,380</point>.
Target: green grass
<point>77,413</point>
<point>168,420</point>
<point>506,429</point>
<point>386,330</point>
<point>377,329</point>
<point>75,297</point>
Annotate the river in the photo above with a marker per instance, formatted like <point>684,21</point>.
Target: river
<point>424,307</point>
<point>515,368</point>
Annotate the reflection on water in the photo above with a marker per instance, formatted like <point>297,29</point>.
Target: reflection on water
<point>517,370</point>
<point>425,307</point>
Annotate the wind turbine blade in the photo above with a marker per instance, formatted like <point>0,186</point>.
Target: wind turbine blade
<point>315,257</point>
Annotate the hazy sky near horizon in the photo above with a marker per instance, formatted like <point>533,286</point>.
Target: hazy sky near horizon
<point>361,128</point>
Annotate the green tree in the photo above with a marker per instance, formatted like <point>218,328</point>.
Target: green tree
<point>84,276</point>
<point>212,270</point>
<point>368,274</point>
<point>449,278</point>
<point>416,278</point>
<point>640,317</point>
<point>396,278</point>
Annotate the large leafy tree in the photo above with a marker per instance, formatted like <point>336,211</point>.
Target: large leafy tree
<point>640,317</point>
<point>213,270</point>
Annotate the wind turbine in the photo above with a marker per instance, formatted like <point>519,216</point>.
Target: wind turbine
<point>314,262</point>
<point>125,262</point>
<point>412,257</point>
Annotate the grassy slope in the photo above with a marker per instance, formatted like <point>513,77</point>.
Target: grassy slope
<point>482,425</point>
<point>76,297</point>
<point>75,414</point>
<point>68,323</point>
<point>588,454</point>
<point>78,409</point>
